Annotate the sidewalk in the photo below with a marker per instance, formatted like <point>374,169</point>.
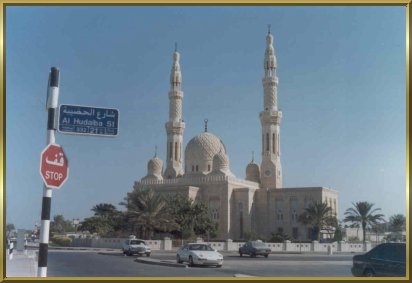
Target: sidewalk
<point>22,265</point>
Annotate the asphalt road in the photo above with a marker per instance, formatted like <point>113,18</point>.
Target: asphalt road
<point>93,264</point>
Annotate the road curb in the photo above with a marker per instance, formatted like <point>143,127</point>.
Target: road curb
<point>111,253</point>
<point>159,262</point>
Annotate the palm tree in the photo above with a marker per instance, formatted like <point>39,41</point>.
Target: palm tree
<point>319,216</point>
<point>103,209</point>
<point>397,224</point>
<point>146,210</point>
<point>363,213</point>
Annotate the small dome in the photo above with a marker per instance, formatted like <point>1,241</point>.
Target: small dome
<point>220,162</point>
<point>200,151</point>
<point>253,172</point>
<point>155,167</point>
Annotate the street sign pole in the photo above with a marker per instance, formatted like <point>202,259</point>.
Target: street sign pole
<point>51,106</point>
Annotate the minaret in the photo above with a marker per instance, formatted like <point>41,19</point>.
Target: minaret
<point>270,169</point>
<point>175,126</point>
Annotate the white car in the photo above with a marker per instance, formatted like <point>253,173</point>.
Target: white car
<point>199,254</point>
<point>136,246</point>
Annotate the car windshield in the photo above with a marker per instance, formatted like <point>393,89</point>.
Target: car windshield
<point>136,242</point>
<point>200,248</point>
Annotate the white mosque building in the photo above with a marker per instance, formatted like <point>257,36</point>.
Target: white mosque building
<point>257,203</point>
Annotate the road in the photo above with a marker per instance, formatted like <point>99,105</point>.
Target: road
<point>94,264</point>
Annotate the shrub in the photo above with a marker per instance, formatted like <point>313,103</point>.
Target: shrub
<point>353,239</point>
<point>62,241</point>
<point>279,237</point>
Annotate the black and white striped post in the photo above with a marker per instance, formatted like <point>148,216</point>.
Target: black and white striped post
<point>11,248</point>
<point>51,106</point>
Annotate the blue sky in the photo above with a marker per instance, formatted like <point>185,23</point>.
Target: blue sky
<point>341,90</point>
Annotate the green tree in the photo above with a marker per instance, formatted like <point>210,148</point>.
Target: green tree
<point>378,228</point>
<point>104,209</point>
<point>146,211</point>
<point>397,224</point>
<point>338,235</point>
<point>319,216</point>
<point>363,213</point>
<point>192,217</point>
<point>59,225</point>
<point>95,225</point>
<point>107,221</point>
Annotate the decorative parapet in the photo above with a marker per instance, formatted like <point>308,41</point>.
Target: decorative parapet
<point>185,181</point>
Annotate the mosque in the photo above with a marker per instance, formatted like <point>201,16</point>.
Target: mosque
<point>258,203</point>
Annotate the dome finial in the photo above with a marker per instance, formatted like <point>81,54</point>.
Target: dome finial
<point>253,156</point>
<point>268,28</point>
<point>155,151</point>
<point>206,120</point>
<point>175,46</point>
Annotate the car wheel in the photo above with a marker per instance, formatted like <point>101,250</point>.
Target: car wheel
<point>178,260</point>
<point>147,254</point>
<point>252,255</point>
<point>219,266</point>
<point>129,253</point>
<point>368,273</point>
<point>191,261</point>
<point>266,255</point>
<point>240,254</point>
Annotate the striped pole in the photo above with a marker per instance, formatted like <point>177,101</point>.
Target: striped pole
<point>11,248</point>
<point>51,106</point>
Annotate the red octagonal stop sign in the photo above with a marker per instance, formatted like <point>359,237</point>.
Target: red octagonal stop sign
<point>54,166</point>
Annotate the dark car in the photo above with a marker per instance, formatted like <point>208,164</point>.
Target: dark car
<point>384,260</point>
<point>254,248</point>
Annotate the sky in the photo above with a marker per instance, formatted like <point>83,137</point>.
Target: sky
<point>342,91</point>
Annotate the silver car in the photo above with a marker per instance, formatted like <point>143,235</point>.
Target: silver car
<point>136,246</point>
<point>199,254</point>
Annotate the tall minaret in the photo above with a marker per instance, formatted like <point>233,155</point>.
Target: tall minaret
<point>270,169</point>
<point>175,126</point>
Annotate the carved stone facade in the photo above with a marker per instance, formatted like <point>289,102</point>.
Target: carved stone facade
<point>258,204</point>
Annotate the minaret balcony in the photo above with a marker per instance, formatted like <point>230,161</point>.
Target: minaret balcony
<point>270,79</point>
<point>270,117</point>
<point>176,127</point>
<point>176,94</point>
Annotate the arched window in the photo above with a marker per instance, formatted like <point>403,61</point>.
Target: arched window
<point>197,168</point>
<point>170,150</point>
<point>263,143</point>
<point>273,143</point>
<point>176,151</point>
<point>267,142</point>
<point>214,206</point>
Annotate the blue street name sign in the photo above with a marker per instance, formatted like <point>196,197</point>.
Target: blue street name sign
<point>86,120</point>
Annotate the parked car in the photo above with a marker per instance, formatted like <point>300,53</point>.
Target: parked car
<point>384,260</point>
<point>254,248</point>
<point>136,246</point>
<point>199,254</point>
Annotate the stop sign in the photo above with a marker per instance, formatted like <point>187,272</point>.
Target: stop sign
<point>54,166</point>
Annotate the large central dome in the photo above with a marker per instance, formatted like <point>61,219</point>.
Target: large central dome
<point>200,151</point>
